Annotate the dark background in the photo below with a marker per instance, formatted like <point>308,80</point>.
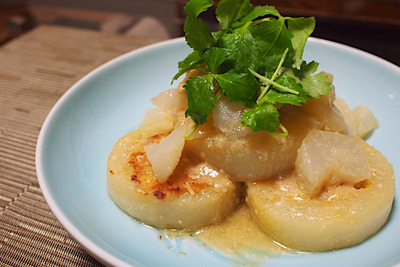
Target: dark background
<point>370,25</point>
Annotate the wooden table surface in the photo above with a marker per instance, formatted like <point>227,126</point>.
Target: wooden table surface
<point>36,69</point>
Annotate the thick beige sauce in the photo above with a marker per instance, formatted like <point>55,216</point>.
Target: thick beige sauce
<point>237,237</point>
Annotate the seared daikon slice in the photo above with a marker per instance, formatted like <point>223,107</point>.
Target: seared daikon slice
<point>248,156</point>
<point>196,194</point>
<point>327,158</point>
<point>340,216</point>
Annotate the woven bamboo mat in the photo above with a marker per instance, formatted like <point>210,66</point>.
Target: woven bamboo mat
<point>35,70</point>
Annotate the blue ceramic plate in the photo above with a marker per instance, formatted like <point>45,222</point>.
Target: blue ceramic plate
<point>83,126</point>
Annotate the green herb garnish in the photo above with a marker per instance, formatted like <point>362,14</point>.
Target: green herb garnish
<point>254,59</point>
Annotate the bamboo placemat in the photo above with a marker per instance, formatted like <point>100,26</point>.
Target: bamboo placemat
<point>35,70</point>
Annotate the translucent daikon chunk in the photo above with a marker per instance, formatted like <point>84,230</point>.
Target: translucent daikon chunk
<point>327,158</point>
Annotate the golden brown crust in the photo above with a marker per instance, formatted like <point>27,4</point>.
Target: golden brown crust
<point>181,181</point>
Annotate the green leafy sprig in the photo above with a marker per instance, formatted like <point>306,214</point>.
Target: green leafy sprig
<point>254,59</point>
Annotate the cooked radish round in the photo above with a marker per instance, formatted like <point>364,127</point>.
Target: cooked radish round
<point>338,217</point>
<point>196,194</point>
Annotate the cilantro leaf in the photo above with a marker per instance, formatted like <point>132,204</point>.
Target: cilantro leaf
<point>195,7</point>
<point>257,12</point>
<point>264,118</point>
<point>276,95</point>
<point>242,48</point>
<point>272,38</point>
<point>316,84</point>
<point>228,11</point>
<point>301,28</point>
<point>214,57</point>
<point>239,87</point>
<point>192,61</point>
<point>197,34</point>
<point>200,96</point>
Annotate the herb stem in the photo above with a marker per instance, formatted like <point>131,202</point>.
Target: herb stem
<point>284,132</point>
<point>260,99</point>
<point>261,20</point>
<point>244,28</point>
<point>269,81</point>
<point>218,96</point>
<point>188,134</point>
